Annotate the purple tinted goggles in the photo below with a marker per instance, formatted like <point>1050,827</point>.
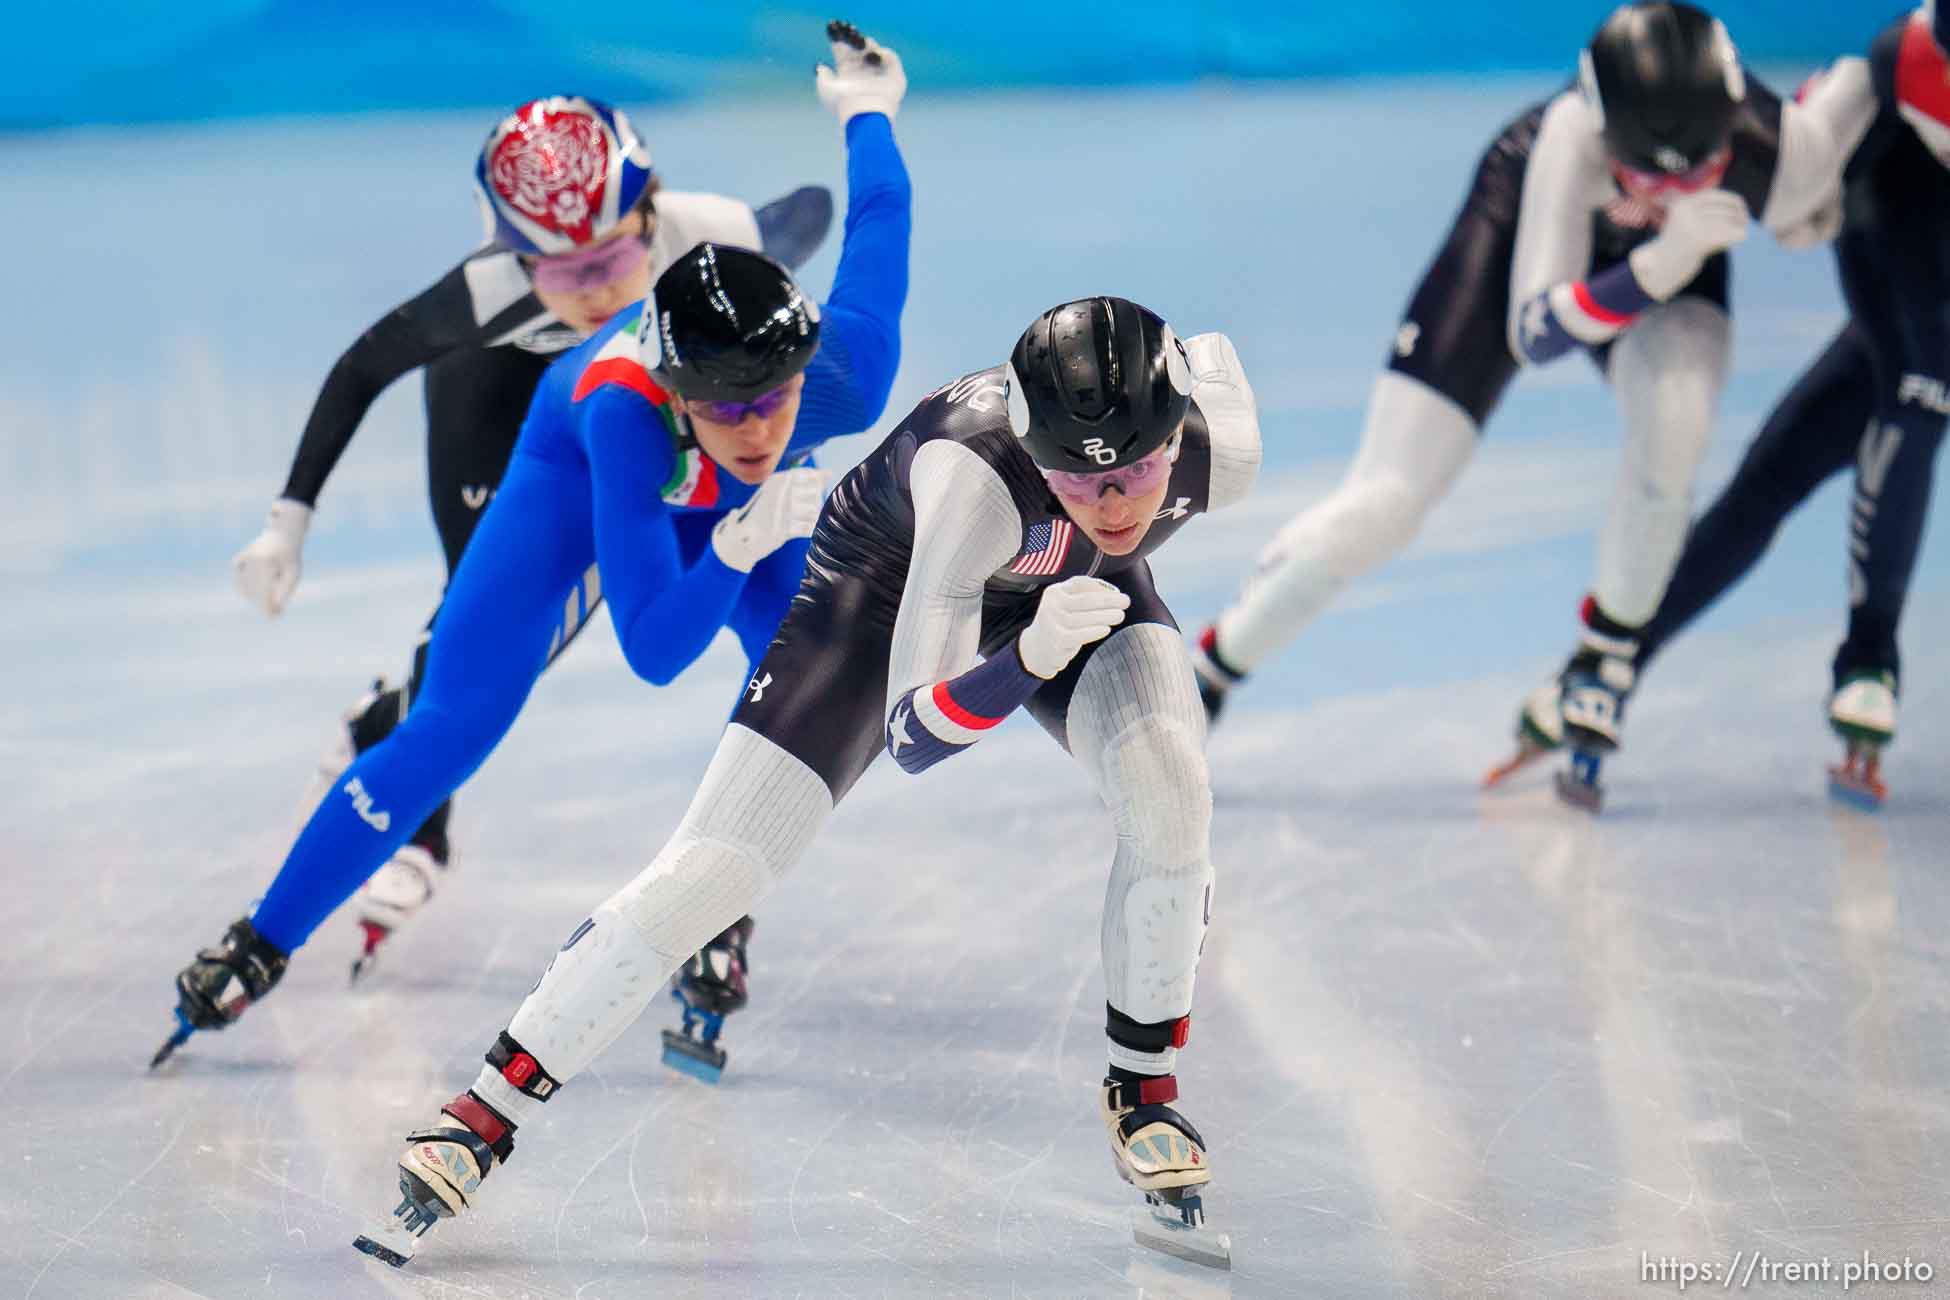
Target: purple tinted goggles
<point>1133,480</point>
<point>588,268</point>
<point>763,406</point>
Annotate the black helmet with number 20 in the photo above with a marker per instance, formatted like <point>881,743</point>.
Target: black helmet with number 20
<point>1667,82</point>
<point>1095,384</point>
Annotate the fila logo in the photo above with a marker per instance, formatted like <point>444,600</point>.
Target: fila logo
<point>1097,451</point>
<point>758,685</point>
<point>378,819</point>
<point>1923,391</point>
<point>476,495</point>
<point>1176,510</point>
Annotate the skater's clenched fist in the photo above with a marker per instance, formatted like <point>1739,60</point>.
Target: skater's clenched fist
<point>1072,614</point>
<point>1696,227</point>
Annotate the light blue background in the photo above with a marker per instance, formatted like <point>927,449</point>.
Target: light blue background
<point>135,60</point>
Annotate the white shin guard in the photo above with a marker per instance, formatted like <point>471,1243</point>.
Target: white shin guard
<point>1136,724</point>
<point>1414,446</point>
<point>1667,371</point>
<point>755,812</point>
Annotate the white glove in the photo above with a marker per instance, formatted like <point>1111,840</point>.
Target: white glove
<point>1071,614</point>
<point>1696,227</point>
<point>866,76</point>
<point>1818,227</point>
<point>267,570</point>
<point>785,506</point>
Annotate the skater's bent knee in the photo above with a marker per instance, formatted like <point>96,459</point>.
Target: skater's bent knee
<point>1156,778</point>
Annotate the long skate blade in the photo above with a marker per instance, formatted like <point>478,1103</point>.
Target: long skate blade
<point>182,1035</point>
<point>1162,1228</point>
<point>381,1251</point>
<point>1851,788</point>
<point>1528,752</point>
<point>1586,797</point>
<point>375,934</point>
<point>701,1061</point>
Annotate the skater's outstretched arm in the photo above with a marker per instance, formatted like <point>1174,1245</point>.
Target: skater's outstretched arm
<point>848,382</point>
<point>405,338</point>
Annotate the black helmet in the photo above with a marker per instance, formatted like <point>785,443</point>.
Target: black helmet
<point>1097,383</point>
<point>1939,14</point>
<point>1667,82</point>
<point>728,325</point>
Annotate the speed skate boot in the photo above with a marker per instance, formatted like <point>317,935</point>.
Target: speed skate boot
<point>440,1173</point>
<point>708,987</point>
<point>1157,1151</point>
<point>1215,676</point>
<point>213,990</point>
<point>397,891</point>
<point>1594,687</point>
<point>1862,711</point>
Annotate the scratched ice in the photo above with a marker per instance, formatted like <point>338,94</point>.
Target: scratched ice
<point>1445,1045</point>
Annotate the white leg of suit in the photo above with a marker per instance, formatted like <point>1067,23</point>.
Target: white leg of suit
<point>1414,446</point>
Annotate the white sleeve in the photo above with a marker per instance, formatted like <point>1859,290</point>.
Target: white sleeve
<point>1816,140</point>
<point>1837,113</point>
<point>686,219</point>
<point>1563,184</point>
<point>1225,399</point>
<point>966,526</point>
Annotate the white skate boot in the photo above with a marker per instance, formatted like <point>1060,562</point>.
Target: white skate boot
<point>1157,1151</point>
<point>440,1173</point>
<point>395,892</point>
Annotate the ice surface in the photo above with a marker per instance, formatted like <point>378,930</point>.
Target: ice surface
<point>1445,1044</point>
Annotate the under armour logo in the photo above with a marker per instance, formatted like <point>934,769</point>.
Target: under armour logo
<point>1176,510</point>
<point>897,733</point>
<point>475,495</point>
<point>758,685</point>
<point>1407,337</point>
<point>377,818</point>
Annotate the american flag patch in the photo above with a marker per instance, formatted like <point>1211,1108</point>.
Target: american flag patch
<point>1044,548</point>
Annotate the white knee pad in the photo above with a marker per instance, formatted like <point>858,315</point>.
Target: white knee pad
<point>1414,446</point>
<point>1667,371</point>
<point>1136,724</point>
<point>755,812</point>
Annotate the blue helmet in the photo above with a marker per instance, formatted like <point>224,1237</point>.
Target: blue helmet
<point>557,174</point>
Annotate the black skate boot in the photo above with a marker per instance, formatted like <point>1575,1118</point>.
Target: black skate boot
<point>1215,676</point>
<point>1593,689</point>
<point>1157,1151</point>
<point>213,990</point>
<point>709,987</point>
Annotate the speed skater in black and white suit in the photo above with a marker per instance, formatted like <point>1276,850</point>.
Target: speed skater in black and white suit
<point>1597,222</point>
<point>989,555</point>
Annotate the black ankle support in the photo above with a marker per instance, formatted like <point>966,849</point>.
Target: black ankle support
<point>522,1071</point>
<point>1150,1039</point>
